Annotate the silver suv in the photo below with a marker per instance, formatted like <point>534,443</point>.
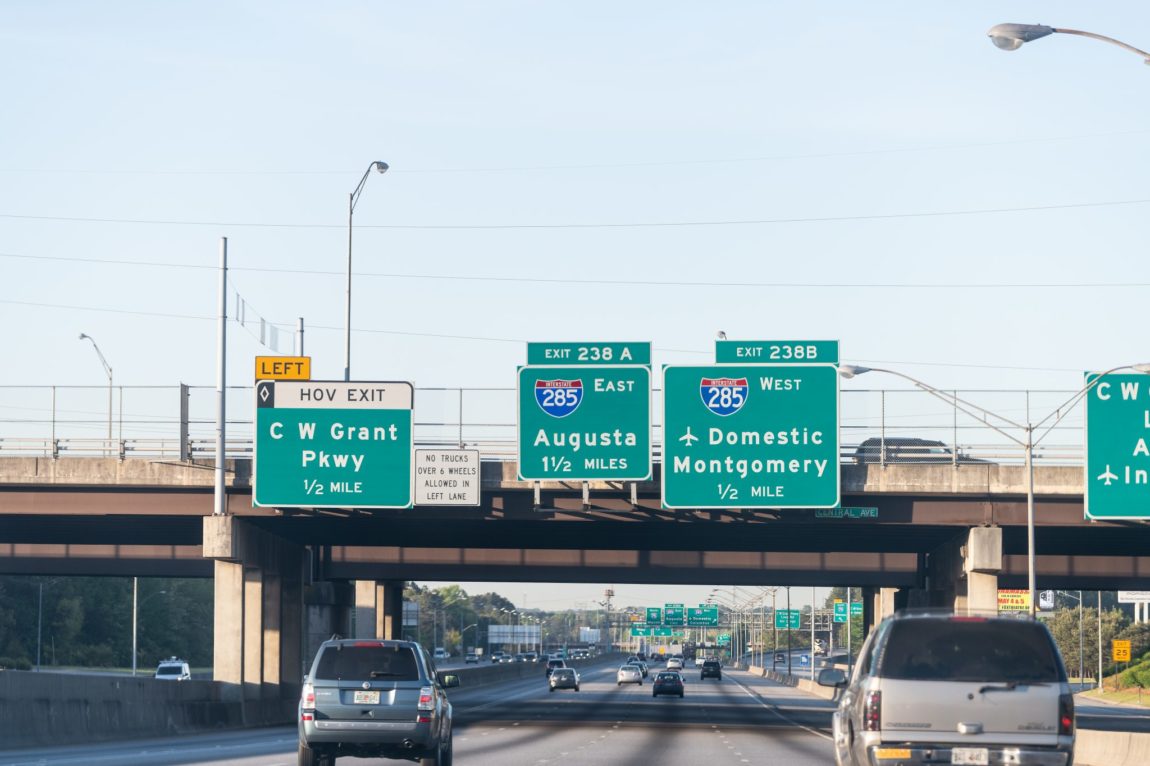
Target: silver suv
<point>934,688</point>
<point>375,699</point>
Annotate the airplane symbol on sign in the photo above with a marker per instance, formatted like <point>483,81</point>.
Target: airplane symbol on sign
<point>1107,476</point>
<point>689,438</point>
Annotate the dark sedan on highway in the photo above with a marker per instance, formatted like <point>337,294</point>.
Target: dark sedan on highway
<point>668,682</point>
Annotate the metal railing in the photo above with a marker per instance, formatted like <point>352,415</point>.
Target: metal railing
<point>178,422</point>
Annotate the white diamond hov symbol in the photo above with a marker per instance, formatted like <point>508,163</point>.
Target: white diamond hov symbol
<point>264,393</point>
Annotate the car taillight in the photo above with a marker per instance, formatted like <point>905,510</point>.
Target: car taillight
<point>308,698</point>
<point>1066,714</point>
<point>426,698</point>
<point>872,712</point>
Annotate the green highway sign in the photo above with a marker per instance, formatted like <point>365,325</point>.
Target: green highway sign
<point>585,423</point>
<point>788,619</point>
<point>637,632</point>
<point>840,611</point>
<point>724,639</point>
<point>673,615</point>
<point>322,444</point>
<point>599,354</point>
<point>856,608</point>
<point>751,436</point>
<point>654,615</point>
<point>1117,451</point>
<point>777,351</point>
<point>703,617</point>
<point>662,632</point>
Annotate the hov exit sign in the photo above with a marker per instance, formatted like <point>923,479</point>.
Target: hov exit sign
<point>323,444</point>
<point>751,436</point>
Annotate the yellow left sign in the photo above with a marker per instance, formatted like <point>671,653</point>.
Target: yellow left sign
<point>283,368</point>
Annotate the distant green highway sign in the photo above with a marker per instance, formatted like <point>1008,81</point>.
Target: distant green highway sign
<point>662,632</point>
<point>751,436</point>
<point>323,444</point>
<point>788,619</point>
<point>703,617</point>
<point>1118,447</point>
<point>654,615</point>
<point>673,614</point>
<point>637,632</point>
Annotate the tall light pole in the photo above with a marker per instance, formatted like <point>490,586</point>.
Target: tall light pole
<point>352,199</point>
<point>1028,443</point>
<point>1011,37</point>
<point>108,372</point>
<point>135,614</point>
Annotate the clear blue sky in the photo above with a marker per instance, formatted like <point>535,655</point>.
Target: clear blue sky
<point>822,166</point>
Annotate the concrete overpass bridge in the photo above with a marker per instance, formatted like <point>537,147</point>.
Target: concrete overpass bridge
<point>947,534</point>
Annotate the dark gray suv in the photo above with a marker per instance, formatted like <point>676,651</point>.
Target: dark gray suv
<point>375,699</point>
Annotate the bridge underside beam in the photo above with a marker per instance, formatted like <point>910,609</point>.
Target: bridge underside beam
<point>623,566</point>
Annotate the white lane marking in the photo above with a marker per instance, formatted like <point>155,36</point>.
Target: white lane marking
<point>774,710</point>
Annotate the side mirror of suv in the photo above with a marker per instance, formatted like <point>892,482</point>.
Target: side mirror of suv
<point>832,677</point>
<point>449,681</point>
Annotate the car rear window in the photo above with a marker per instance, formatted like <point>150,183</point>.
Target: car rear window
<point>363,663</point>
<point>983,650</point>
<point>667,677</point>
<point>563,673</point>
<point>170,670</point>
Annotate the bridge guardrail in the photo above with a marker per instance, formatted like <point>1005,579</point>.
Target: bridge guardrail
<point>177,422</point>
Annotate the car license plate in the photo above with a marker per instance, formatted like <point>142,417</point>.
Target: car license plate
<point>372,698</point>
<point>970,756</point>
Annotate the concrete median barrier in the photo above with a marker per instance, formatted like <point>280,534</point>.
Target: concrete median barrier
<point>40,709</point>
<point>1111,748</point>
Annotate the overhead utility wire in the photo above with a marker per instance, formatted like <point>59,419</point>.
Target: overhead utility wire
<point>625,225</point>
<point>475,337</point>
<point>598,165</point>
<point>607,282</point>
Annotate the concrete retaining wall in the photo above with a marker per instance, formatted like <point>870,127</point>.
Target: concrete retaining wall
<point>1111,748</point>
<point>59,709</point>
<point>40,709</point>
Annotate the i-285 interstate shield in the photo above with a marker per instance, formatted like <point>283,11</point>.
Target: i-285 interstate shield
<point>751,436</point>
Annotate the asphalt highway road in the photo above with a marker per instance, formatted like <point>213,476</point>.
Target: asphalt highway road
<point>720,723</point>
<point>738,720</point>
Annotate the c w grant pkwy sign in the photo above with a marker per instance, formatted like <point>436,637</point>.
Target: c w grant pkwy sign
<point>751,436</point>
<point>322,444</point>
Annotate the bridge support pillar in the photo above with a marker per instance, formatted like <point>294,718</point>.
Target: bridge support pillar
<point>258,587</point>
<point>964,572</point>
<point>379,609</point>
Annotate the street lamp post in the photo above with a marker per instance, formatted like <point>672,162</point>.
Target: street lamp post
<point>108,372</point>
<point>135,614</point>
<point>1028,443</point>
<point>352,199</point>
<point>1011,37</point>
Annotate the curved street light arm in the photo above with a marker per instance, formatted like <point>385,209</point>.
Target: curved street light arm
<point>969,408</point>
<point>1145,56</point>
<point>1064,409</point>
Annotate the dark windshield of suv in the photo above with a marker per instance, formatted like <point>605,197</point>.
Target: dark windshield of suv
<point>363,663</point>
<point>169,670</point>
<point>711,664</point>
<point>980,650</point>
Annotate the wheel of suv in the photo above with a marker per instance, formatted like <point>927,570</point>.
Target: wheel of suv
<point>443,755</point>
<point>309,757</point>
